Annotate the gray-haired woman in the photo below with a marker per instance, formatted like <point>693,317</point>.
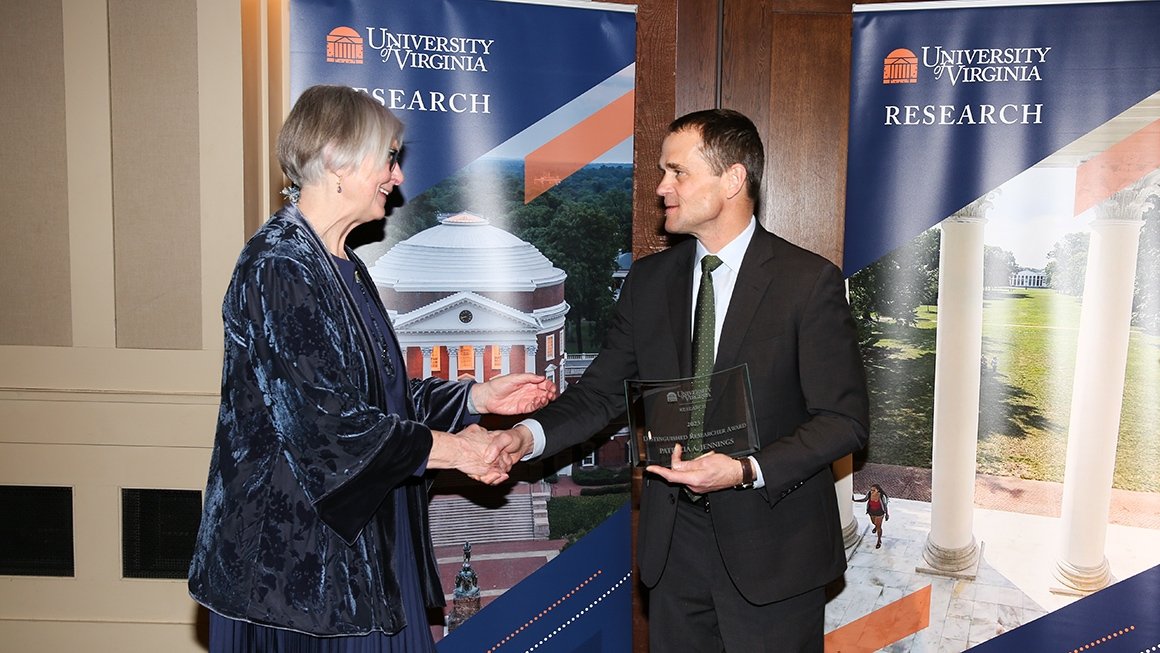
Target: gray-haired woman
<point>314,531</point>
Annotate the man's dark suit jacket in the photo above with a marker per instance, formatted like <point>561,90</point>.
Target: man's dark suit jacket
<point>788,319</point>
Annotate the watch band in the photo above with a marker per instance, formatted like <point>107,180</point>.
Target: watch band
<point>747,474</point>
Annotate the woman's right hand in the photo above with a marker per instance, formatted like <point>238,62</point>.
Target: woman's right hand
<point>466,451</point>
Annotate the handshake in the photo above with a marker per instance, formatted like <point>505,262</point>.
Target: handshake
<point>485,456</point>
<point>488,456</point>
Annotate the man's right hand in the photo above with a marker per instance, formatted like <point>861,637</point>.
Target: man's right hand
<point>508,447</point>
<point>466,452</point>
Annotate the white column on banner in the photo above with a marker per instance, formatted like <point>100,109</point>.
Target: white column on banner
<point>453,363</point>
<point>844,488</point>
<point>530,358</point>
<point>950,545</point>
<point>479,368</point>
<point>505,364</point>
<point>843,470</point>
<point>427,353</point>
<point>1098,388</point>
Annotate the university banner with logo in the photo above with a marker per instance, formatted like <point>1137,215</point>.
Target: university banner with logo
<point>502,255</point>
<point>466,76</point>
<point>1001,212</point>
<point>948,102</point>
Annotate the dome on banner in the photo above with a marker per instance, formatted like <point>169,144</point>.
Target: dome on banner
<point>470,299</point>
<point>465,252</point>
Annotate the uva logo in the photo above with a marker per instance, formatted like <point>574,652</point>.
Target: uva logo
<point>900,67</point>
<point>344,45</point>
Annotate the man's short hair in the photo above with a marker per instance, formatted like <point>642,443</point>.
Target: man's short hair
<point>727,137</point>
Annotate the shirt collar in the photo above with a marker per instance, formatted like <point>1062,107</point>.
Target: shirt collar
<point>733,253</point>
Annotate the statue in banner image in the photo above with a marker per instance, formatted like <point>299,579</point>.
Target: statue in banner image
<point>465,598</point>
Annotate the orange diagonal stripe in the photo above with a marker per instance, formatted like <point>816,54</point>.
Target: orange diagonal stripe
<point>1118,167</point>
<point>884,626</point>
<point>555,160</point>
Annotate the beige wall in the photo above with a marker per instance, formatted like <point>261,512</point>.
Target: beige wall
<point>124,173</point>
<point>35,292</point>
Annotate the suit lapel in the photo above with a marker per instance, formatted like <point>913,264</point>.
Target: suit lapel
<point>680,307</point>
<point>748,291</point>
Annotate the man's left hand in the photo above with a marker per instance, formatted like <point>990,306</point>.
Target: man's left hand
<point>706,473</point>
<point>513,394</point>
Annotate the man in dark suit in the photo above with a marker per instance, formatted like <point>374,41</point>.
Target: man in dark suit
<point>735,551</point>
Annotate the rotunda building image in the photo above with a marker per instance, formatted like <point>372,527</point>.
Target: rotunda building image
<point>467,298</point>
<point>470,299</point>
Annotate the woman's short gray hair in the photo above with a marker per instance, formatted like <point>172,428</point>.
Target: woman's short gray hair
<point>333,128</point>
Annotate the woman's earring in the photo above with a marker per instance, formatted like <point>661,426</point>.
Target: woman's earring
<point>339,184</point>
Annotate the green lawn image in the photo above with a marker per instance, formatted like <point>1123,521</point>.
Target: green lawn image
<point>1024,401</point>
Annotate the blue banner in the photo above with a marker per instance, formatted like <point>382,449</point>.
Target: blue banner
<point>463,75</point>
<point>1020,334</point>
<point>948,103</point>
<point>580,602</point>
<point>517,200</point>
<point>1120,618</point>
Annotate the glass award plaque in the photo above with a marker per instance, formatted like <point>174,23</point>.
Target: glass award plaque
<point>702,414</point>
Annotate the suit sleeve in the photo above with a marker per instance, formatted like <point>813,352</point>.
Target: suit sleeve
<point>833,387</point>
<point>588,405</point>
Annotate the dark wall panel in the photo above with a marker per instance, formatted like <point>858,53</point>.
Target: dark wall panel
<point>809,99</point>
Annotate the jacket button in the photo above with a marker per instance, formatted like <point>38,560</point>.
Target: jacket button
<point>672,499</point>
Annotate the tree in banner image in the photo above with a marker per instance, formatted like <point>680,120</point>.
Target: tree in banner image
<point>1067,264</point>
<point>1146,299</point>
<point>583,238</point>
<point>998,266</point>
<point>895,285</point>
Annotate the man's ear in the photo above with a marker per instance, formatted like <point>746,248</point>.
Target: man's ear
<point>736,179</point>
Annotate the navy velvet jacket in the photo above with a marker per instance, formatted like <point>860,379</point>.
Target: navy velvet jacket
<point>295,531</point>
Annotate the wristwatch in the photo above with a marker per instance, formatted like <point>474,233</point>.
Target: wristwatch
<point>747,475</point>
